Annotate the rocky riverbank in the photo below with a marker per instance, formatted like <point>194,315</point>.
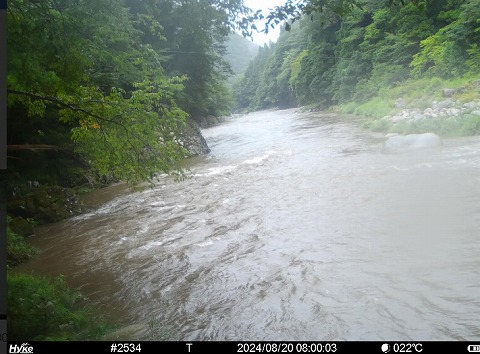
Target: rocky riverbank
<point>423,106</point>
<point>34,201</point>
<point>448,108</point>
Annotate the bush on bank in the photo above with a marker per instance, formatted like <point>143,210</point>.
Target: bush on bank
<point>421,94</point>
<point>18,250</point>
<point>40,308</point>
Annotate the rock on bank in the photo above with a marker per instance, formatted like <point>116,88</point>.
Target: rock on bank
<point>192,139</point>
<point>191,136</point>
<point>403,143</point>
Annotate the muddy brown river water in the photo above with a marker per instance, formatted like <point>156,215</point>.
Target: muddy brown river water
<point>295,227</point>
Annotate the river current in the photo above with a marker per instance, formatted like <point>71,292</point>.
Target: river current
<point>295,227</point>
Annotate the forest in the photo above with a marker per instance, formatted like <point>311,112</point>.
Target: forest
<point>363,62</point>
<point>102,91</point>
<point>113,81</point>
<point>109,85</point>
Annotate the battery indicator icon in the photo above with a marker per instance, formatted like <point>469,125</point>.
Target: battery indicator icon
<point>474,348</point>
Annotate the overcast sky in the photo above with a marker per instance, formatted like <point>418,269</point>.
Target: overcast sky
<point>261,38</point>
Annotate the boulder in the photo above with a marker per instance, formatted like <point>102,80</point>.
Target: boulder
<point>401,103</point>
<point>208,121</point>
<point>192,139</point>
<point>403,143</point>
<point>448,92</point>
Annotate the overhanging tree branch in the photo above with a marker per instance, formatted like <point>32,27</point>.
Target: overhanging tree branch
<point>33,147</point>
<point>69,106</point>
<point>60,103</point>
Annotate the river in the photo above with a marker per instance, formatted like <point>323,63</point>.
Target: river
<point>295,227</point>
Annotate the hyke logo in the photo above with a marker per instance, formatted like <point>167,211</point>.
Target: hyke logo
<point>25,348</point>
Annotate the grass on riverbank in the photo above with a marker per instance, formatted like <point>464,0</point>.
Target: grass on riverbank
<point>18,250</point>
<point>465,125</point>
<point>41,308</point>
<point>419,94</point>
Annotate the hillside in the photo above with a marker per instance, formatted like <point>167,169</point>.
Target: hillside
<point>376,61</point>
<point>240,51</point>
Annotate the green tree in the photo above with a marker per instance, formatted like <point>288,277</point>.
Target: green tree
<point>354,49</point>
<point>82,59</point>
<point>194,35</point>
<point>445,52</point>
<point>293,10</point>
<point>274,88</point>
<point>312,70</point>
<point>245,87</point>
<point>389,43</point>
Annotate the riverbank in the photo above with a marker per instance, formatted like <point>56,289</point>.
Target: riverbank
<point>449,108</point>
<point>45,187</point>
<point>45,308</point>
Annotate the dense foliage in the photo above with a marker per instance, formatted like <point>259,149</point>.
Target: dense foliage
<point>114,81</point>
<point>41,308</point>
<point>348,51</point>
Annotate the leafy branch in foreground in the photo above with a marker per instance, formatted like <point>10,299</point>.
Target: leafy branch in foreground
<point>140,139</point>
<point>82,65</point>
<point>131,135</point>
